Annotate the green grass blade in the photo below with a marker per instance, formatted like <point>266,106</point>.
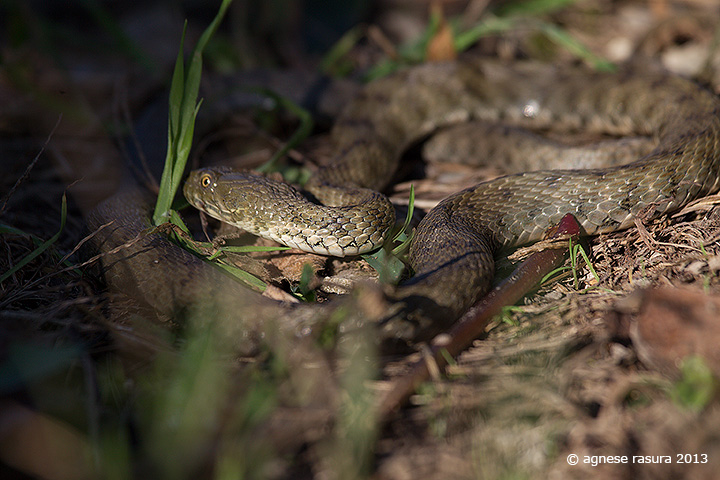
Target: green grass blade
<point>697,385</point>
<point>252,248</point>
<point>335,63</point>
<point>411,210</point>
<point>45,245</point>
<point>388,267</point>
<point>531,7</point>
<point>247,278</point>
<point>177,88</point>
<point>552,273</point>
<point>184,106</point>
<point>464,40</point>
<point>300,134</point>
<point>574,46</point>
<point>386,261</point>
<point>197,248</point>
<point>183,110</point>
<point>413,52</point>
<point>12,230</point>
<point>589,264</point>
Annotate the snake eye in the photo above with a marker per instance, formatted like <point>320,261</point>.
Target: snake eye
<point>206,180</point>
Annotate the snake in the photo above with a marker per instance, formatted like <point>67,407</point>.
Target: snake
<point>452,256</point>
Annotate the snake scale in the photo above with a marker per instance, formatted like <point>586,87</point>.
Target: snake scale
<point>453,250</point>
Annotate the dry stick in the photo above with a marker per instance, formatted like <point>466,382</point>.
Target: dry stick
<point>528,274</point>
<point>29,168</point>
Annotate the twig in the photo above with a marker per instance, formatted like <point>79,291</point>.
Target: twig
<point>25,174</point>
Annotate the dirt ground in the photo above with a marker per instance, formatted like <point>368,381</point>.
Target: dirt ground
<point>618,368</point>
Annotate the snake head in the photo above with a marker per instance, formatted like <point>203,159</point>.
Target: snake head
<point>222,193</point>
<point>248,200</point>
<point>354,223</point>
<point>201,187</point>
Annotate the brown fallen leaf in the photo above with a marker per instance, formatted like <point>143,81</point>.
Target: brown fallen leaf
<point>674,323</point>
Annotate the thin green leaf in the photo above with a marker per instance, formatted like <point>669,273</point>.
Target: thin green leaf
<point>413,52</point>
<point>589,264</point>
<point>552,273</point>
<point>697,385</point>
<point>464,40</point>
<point>252,248</point>
<point>574,46</point>
<point>531,7</point>
<point>411,210</point>
<point>561,269</point>
<point>405,241</point>
<point>303,289</point>
<point>405,235</point>
<point>12,230</point>
<point>183,110</point>
<point>166,192</point>
<point>332,63</point>
<point>201,248</point>
<point>245,277</point>
<point>506,315</point>
<point>45,245</point>
<point>388,266</point>
<point>387,262</point>
<point>177,91</point>
<point>300,134</point>
<point>242,249</point>
<point>175,219</point>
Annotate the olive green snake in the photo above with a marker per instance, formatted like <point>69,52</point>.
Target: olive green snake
<point>453,250</point>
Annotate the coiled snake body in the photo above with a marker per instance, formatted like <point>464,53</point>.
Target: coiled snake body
<point>452,254</point>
